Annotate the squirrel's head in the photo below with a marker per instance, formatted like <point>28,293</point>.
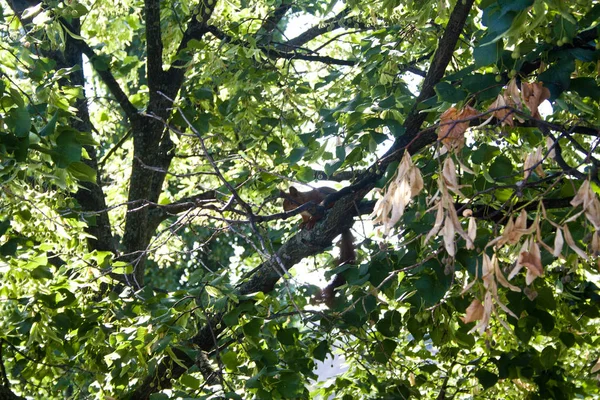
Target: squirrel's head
<point>290,200</point>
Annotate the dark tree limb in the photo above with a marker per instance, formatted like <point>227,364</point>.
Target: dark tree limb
<point>273,18</point>
<point>315,31</point>
<point>152,143</point>
<point>440,61</point>
<point>90,196</point>
<point>7,394</point>
<point>301,245</point>
<point>196,29</point>
<point>278,54</point>
<point>105,74</point>
<point>160,213</point>
<point>154,49</point>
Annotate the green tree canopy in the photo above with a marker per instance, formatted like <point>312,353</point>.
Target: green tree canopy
<point>144,253</point>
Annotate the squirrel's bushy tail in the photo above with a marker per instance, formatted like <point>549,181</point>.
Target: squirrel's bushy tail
<point>347,255</point>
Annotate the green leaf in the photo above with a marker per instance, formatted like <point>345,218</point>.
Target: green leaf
<point>487,55</point>
<point>290,385</point>
<point>22,122</point>
<point>330,168</point>
<point>101,62</point>
<point>82,172</point>
<point>9,248</point>
<point>567,338</point>
<point>501,169</point>
<point>557,78</point>
<point>296,155</point>
<point>448,92</point>
<point>286,336</point>
<point>50,127</point>
<point>159,346</point>
<point>254,382</point>
<point>484,86</point>
<point>384,350</point>
<point>41,272</point>
<point>340,152</point>
<point>391,324</point>
<point>230,360</point>
<point>585,87</point>
<point>67,149</point>
<point>85,138</point>
<point>189,381</point>
<point>31,11</point>
<point>549,357</point>
<point>320,352</point>
<point>486,378</point>
<point>388,102</point>
<point>253,327</point>
<point>4,225</point>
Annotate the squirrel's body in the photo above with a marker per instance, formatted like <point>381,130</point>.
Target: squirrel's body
<point>295,199</point>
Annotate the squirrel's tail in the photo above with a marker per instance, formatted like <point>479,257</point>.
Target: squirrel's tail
<point>347,255</point>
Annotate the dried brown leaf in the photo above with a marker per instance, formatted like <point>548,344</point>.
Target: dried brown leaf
<point>558,243</point>
<point>532,260</point>
<point>571,243</point>
<point>452,133</point>
<point>474,312</point>
<point>533,95</point>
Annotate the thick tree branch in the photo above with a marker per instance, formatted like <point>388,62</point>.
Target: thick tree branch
<point>104,73</point>
<point>271,21</point>
<point>440,61</point>
<point>160,213</point>
<point>414,139</point>
<point>196,29</point>
<point>317,30</point>
<point>154,49</point>
<point>90,196</point>
<point>7,394</point>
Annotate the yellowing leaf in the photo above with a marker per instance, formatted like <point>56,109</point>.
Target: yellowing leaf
<point>449,175</point>
<point>591,205</point>
<point>500,276</point>
<point>472,233</point>
<point>510,98</point>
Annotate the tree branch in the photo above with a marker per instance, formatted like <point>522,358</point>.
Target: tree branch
<point>154,49</point>
<point>317,30</point>
<point>7,394</point>
<point>277,54</point>
<point>105,74</point>
<point>273,18</point>
<point>160,213</point>
<point>196,29</point>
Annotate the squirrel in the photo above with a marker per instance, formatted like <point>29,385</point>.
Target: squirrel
<point>295,199</point>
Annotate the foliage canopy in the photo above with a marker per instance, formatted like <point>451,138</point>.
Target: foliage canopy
<point>143,251</point>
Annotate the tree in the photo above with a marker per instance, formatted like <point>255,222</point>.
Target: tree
<point>143,251</point>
